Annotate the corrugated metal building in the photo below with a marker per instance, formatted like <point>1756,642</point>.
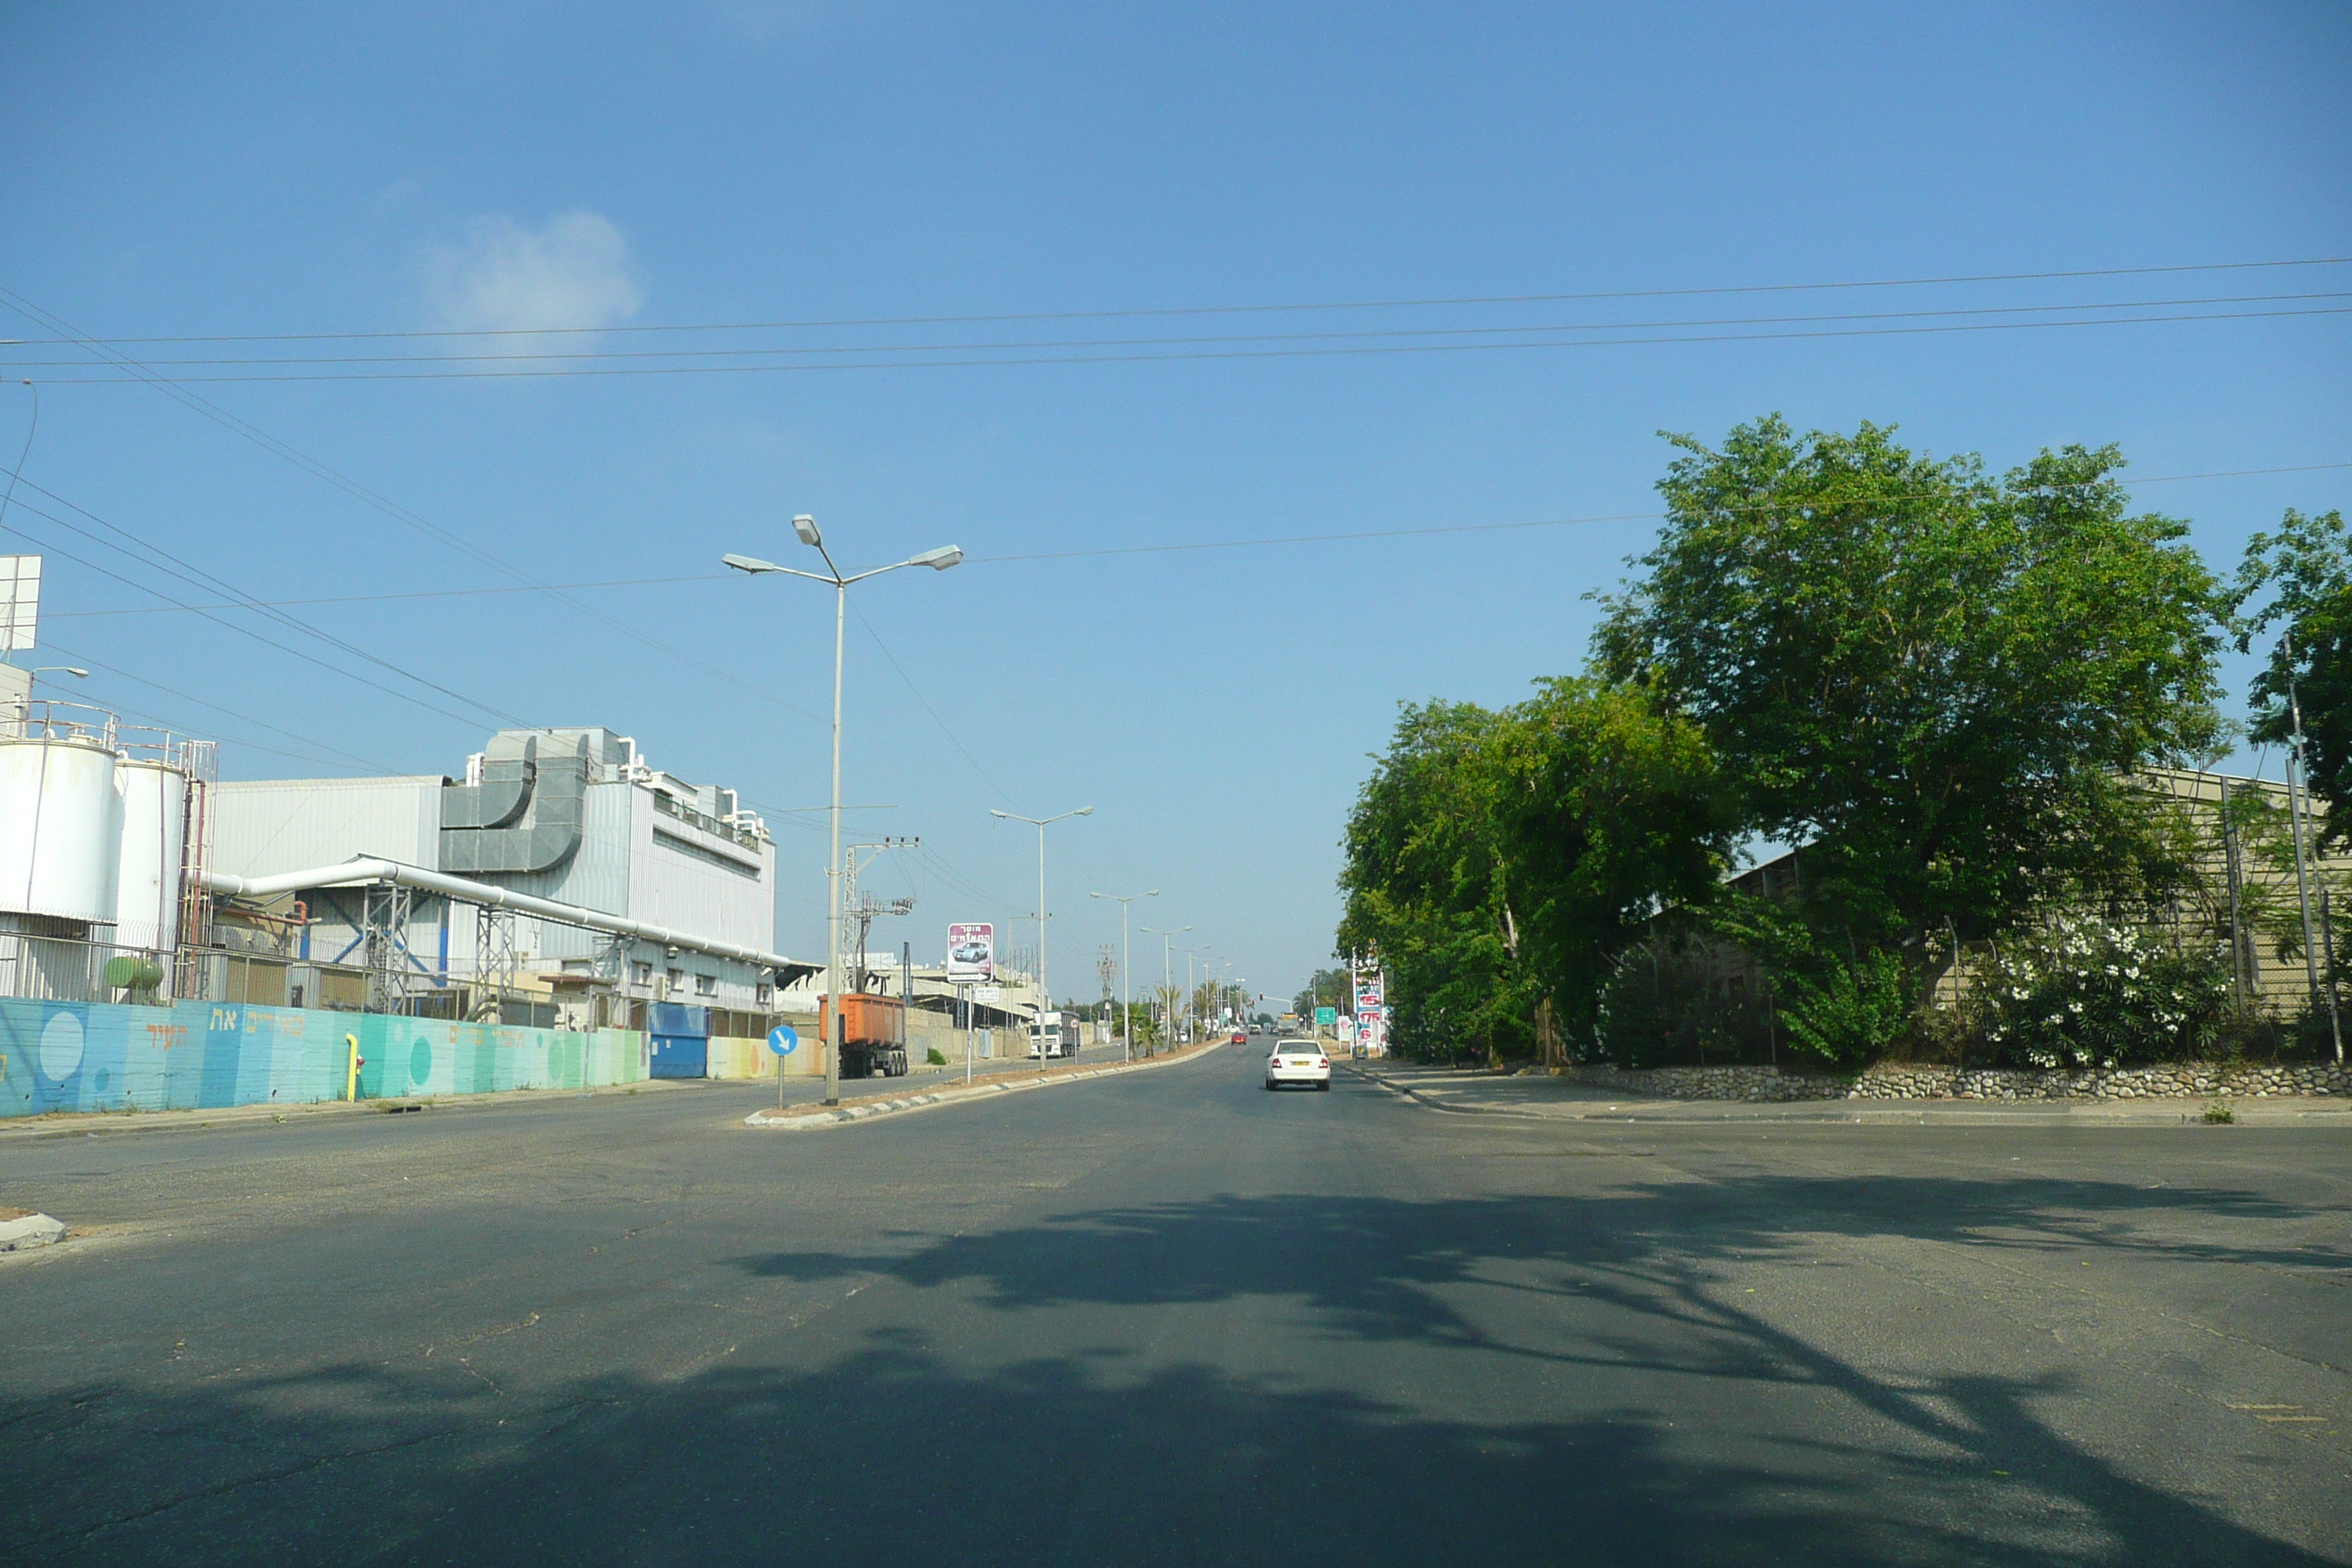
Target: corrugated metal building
<point>575,816</point>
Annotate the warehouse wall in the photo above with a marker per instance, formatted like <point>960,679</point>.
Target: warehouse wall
<point>62,1055</point>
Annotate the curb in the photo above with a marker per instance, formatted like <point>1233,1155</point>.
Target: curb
<point>766,1120</point>
<point>1898,1112</point>
<point>1432,1103</point>
<point>98,1123</point>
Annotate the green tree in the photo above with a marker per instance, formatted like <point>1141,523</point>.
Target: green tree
<point>1425,879</point>
<point>1497,861</point>
<point>1610,811</point>
<point>2302,575</point>
<point>1931,677</point>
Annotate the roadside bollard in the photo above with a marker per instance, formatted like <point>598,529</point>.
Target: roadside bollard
<point>351,1073</point>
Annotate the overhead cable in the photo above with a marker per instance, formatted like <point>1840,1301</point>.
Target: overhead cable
<point>1167,310</point>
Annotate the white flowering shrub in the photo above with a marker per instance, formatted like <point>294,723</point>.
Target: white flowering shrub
<point>2089,995</point>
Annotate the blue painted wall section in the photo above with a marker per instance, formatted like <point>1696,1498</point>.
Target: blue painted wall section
<point>75,1055</point>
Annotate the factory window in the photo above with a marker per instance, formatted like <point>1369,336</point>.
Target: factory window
<point>767,994</point>
<point>677,978</point>
<point>645,973</point>
<point>705,985</point>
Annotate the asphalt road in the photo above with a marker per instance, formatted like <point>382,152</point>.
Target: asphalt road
<point>1172,1318</point>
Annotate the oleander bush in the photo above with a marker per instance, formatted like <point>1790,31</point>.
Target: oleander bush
<point>2086,994</point>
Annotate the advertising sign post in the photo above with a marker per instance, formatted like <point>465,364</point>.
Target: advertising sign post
<point>971,953</point>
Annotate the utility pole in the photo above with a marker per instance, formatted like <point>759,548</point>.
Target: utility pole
<point>1126,965</point>
<point>2298,794</point>
<point>1044,996</point>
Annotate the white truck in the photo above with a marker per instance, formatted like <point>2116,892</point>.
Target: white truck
<point>1053,1036</point>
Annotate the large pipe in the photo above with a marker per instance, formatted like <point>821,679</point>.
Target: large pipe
<point>352,872</point>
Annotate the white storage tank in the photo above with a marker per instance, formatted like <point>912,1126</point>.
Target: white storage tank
<point>57,826</point>
<point>154,817</point>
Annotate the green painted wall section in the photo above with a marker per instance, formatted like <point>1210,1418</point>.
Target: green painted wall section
<point>76,1056</point>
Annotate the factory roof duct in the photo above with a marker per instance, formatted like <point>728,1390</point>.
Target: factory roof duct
<point>350,872</point>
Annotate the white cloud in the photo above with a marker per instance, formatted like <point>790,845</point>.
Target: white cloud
<point>575,272</point>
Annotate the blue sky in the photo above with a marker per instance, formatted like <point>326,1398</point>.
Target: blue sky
<point>240,171</point>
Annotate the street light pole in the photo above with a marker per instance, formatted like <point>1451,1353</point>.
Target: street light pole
<point>1045,995</point>
<point>1126,968</point>
<point>937,560</point>
<point>1190,954</point>
<point>1168,975</point>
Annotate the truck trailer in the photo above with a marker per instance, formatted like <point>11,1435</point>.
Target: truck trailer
<point>874,1042</point>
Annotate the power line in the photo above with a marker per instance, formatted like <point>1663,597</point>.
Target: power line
<point>349,759</point>
<point>174,607</point>
<point>195,576</point>
<point>1179,310</point>
<point>231,626</point>
<point>1355,350</point>
<point>953,739</point>
<point>1536,522</point>
<point>204,407</point>
<point>387,598</point>
<point>1367,334</point>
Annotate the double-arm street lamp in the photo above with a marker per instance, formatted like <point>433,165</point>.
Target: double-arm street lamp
<point>1125,967</point>
<point>1168,975</point>
<point>938,560</point>
<point>1192,956</point>
<point>1045,997</point>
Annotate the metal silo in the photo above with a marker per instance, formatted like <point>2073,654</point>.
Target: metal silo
<point>57,824</point>
<point>154,822</point>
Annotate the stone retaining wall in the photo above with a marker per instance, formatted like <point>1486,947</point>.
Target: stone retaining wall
<point>2173,1080</point>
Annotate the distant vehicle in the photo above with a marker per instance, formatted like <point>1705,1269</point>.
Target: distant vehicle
<point>1241,1037</point>
<point>1298,1061</point>
<point>1057,1036</point>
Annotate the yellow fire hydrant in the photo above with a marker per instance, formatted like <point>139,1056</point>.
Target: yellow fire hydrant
<point>352,1074</point>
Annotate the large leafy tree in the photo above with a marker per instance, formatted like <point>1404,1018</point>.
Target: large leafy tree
<point>1931,676</point>
<point>1426,881</point>
<point>1495,862</point>
<point>1611,812</point>
<point>2298,583</point>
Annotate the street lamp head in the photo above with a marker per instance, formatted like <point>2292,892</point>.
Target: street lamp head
<point>1084,811</point>
<point>938,560</point>
<point>994,812</point>
<point>77,672</point>
<point>806,526</point>
<point>748,563</point>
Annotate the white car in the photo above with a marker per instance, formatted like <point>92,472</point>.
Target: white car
<point>1298,1061</point>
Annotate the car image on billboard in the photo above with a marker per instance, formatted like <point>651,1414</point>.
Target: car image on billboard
<point>971,953</point>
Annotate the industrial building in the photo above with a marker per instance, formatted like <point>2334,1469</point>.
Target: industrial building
<point>573,817</point>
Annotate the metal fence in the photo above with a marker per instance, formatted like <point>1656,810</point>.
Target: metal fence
<point>35,966</point>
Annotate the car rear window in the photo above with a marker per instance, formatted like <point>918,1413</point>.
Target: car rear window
<point>1298,1048</point>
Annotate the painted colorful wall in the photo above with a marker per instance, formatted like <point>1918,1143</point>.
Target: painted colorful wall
<point>74,1055</point>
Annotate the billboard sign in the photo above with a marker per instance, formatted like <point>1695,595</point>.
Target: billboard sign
<point>1369,996</point>
<point>971,955</point>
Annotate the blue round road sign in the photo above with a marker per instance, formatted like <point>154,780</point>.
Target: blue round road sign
<point>782,1040</point>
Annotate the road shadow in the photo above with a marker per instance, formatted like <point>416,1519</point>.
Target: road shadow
<point>894,1450</point>
<point>894,1458</point>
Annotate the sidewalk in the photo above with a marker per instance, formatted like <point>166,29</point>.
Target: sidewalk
<point>93,1123</point>
<point>1479,1093</point>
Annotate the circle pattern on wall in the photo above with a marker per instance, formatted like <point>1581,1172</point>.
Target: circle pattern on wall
<point>61,1049</point>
